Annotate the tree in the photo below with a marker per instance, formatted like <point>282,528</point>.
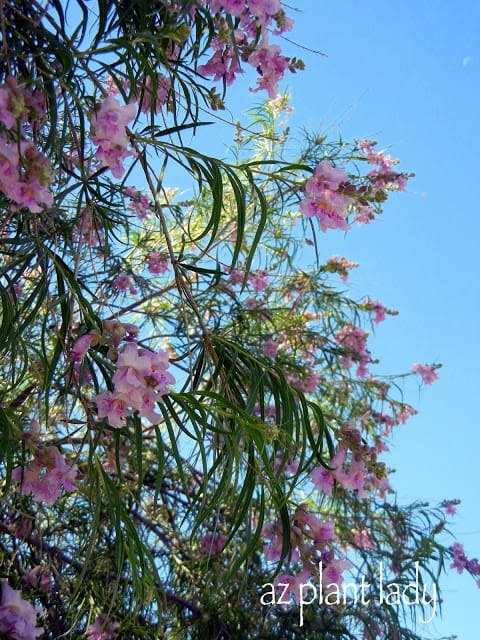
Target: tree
<point>192,428</point>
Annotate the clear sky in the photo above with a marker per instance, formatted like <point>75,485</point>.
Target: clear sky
<point>407,74</point>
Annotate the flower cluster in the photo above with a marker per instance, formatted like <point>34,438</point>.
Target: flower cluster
<point>45,476</point>
<point>102,629</point>
<point>19,104</point>
<point>139,204</point>
<point>359,472</point>
<point>249,43</point>
<point>213,543</point>
<point>154,93</point>
<point>312,540</point>
<point>340,265</point>
<point>157,263</point>
<point>378,309</point>
<point>461,562</point>
<point>18,618</point>
<point>25,172</point>
<point>108,132</point>
<point>426,371</point>
<point>123,282</point>
<point>383,176</point>
<point>354,341</point>
<point>140,380</point>
<point>325,198</point>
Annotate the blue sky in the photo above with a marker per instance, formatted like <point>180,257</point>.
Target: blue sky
<point>407,74</point>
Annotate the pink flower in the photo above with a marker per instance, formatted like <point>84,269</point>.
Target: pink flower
<point>450,507</point>
<point>236,276</point>
<point>102,629</point>
<point>123,282</point>
<point>18,618</point>
<point>223,65</point>
<point>233,7</point>
<point>324,478</point>
<point>362,539</point>
<point>273,550</point>
<point>45,476</point>
<point>157,262</point>
<point>294,583</point>
<point>213,543</point>
<point>259,280</point>
<point>39,578</point>
<point>364,214</point>
<point>25,176</point>
<point>270,348</point>
<point>108,132</point>
<point>378,309</point>
<point>405,413</point>
<point>427,371</point>
<point>261,7</point>
<point>268,60</point>
<point>112,408</point>
<point>340,265</point>
<point>81,346</point>
<point>322,531</point>
<point>332,577</point>
<point>140,380</point>
<point>324,198</point>
<point>459,558</point>
<point>353,479</point>
<point>146,92</point>
<point>354,341</point>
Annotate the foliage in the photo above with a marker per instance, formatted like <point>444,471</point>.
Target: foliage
<point>189,408</point>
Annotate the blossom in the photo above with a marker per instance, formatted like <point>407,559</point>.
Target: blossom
<point>213,543</point>
<point>354,342</point>
<point>459,558</point>
<point>364,214</point>
<point>140,203</point>
<point>123,282</point>
<point>81,346</point>
<point>38,577</point>
<point>450,507</point>
<point>340,265</point>
<point>324,197</point>
<point>324,478</point>
<point>25,174</point>
<point>19,103</point>
<point>270,64</point>
<point>332,577</point>
<point>161,87</point>
<point>321,531</point>
<point>18,618</point>
<point>354,478</point>
<point>427,371</point>
<point>270,348</point>
<point>295,583</point>
<point>236,276</point>
<point>108,132</point>
<point>45,476</point>
<point>141,378</point>
<point>102,629</point>
<point>259,280</point>
<point>223,65</point>
<point>273,550</point>
<point>112,408</point>
<point>157,262</point>
<point>378,309</point>
<point>362,539</point>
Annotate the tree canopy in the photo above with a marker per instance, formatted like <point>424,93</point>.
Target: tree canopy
<point>193,431</point>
